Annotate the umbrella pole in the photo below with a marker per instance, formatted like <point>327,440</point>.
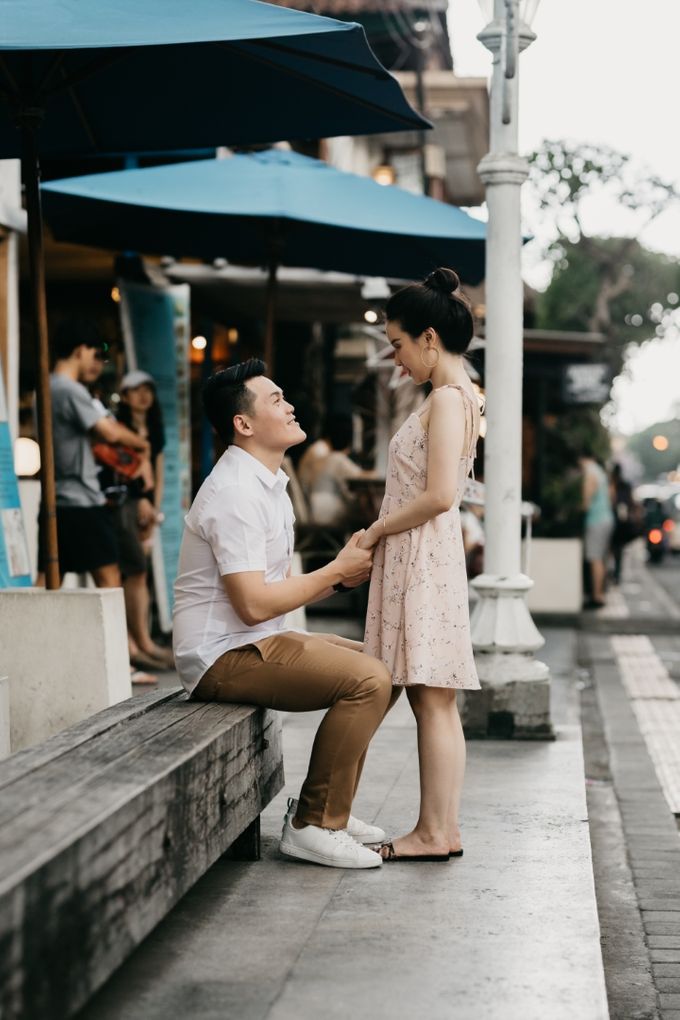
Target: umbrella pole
<point>270,319</point>
<point>29,123</point>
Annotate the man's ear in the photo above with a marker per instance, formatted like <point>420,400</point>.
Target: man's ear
<point>242,426</point>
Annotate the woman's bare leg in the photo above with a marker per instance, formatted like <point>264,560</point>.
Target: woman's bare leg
<point>438,756</point>
<point>453,827</point>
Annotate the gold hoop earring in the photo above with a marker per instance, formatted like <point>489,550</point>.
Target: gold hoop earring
<point>434,351</point>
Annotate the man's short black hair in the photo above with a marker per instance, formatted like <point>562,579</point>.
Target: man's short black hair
<point>74,332</point>
<point>225,395</point>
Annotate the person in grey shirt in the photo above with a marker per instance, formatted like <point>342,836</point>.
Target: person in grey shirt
<point>85,533</point>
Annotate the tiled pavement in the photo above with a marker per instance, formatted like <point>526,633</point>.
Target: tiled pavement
<point>636,699</point>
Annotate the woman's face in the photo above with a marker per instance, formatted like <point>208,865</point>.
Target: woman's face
<point>407,351</point>
<point>140,398</point>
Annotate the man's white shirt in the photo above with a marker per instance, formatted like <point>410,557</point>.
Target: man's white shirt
<point>241,520</point>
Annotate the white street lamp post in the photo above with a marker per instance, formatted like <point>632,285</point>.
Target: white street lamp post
<point>515,697</point>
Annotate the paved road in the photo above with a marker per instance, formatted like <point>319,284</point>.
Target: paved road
<point>509,932</point>
<point>668,576</point>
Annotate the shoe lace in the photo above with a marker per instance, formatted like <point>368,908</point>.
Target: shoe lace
<point>342,836</point>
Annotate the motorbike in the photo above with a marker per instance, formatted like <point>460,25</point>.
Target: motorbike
<point>658,526</point>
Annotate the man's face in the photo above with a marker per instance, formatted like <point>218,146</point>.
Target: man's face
<point>271,423</point>
<point>90,364</point>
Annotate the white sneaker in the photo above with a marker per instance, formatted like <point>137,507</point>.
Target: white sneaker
<point>335,849</point>
<point>362,832</point>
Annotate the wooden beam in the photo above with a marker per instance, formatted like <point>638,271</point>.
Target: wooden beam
<point>104,827</point>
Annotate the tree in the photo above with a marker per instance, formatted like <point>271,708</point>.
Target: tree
<point>657,462</point>
<point>613,285</point>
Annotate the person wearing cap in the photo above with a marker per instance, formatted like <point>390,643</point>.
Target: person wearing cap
<point>85,532</point>
<point>139,513</point>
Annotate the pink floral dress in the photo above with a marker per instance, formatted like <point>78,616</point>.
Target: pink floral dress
<point>418,620</point>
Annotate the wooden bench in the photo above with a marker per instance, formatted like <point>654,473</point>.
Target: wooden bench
<point>106,825</point>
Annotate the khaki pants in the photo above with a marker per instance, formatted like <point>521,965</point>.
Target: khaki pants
<point>304,673</point>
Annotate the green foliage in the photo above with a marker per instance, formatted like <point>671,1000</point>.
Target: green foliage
<point>637,312</point>
<point>565,173</point>
<point>573,433</point>
<point>656,462</point>
<point>609,285</point>
<point>614,285</point>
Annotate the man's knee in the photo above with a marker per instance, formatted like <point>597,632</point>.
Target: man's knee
<point>376,679</point>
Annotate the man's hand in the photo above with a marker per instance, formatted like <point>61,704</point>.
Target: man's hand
<point>354,562</point>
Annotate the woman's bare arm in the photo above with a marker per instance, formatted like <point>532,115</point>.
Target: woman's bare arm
<point>446,440</point>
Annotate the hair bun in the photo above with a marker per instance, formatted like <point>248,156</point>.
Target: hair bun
<point>444,280</point>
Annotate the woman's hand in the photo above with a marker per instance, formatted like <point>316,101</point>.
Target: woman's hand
<point>371,536</point>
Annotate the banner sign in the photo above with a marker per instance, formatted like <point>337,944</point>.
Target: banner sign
<point>15,568</point>
<point>156,332</point>
<point>586,383</point>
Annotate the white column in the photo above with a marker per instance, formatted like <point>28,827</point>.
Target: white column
<point>503,633</point>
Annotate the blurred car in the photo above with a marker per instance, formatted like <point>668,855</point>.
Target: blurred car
<point>660,520</point>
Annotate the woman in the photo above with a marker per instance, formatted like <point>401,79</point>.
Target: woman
<point>418,618</point>
<point>139,514</point>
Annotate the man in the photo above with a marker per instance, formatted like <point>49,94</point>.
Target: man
<point>233,591</point>
<point>85,534</point>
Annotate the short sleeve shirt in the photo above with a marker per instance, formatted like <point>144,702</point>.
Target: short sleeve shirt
<point>74,413</point>
<point>241,520</point>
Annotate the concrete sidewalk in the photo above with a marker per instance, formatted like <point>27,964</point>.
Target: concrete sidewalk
<point>510,931</point>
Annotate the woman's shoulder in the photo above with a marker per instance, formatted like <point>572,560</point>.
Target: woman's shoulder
<point>450,398</point>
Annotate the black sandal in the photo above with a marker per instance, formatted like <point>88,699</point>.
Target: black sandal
<point>455,853</point>
<point>392,855</point>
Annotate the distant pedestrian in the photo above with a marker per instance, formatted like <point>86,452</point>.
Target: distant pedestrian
<point>418,617</point>
<point>85,532</point>
<point>139,514</point>
<point>627,517</point>
<point>598,525</point>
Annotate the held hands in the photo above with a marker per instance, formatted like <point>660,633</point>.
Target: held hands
<point>370,538</point>
<point>354,561</point>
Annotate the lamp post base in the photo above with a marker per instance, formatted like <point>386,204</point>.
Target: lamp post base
<point>514,701</point>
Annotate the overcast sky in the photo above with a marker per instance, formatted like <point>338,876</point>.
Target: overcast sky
<point>603,71</point>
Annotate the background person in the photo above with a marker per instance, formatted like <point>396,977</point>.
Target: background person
<point>598,525</point>
<point>85,532</point>
<point>626,517</point>
<point>139,513</point>
<point>331,501</point>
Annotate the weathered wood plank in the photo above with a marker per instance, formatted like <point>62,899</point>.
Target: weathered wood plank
<point>67,808</point>
<point>139,838</point>
<point>23,762</point>
<point>60,779</point>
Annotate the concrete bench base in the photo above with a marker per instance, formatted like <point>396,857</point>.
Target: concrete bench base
<point>106,825</point>
<point>66,656</point>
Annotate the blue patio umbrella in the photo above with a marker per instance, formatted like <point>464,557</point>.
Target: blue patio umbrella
<point>119,76</point>
<point>272,207</point>
<point>137,75</point>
